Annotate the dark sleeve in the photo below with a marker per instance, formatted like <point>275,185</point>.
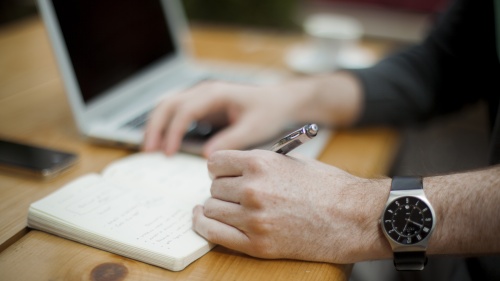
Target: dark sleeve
<point>450,68</point>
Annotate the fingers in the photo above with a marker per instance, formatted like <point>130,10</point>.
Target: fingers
<point>236,176</point>
<point>247,109</point>
<point>240,135</point>
<point>226,212</point>
<point>218,232</point>
<point>186,113</point>
<point>174,114</point>
<point>227,163</point>
<point>157,122</point>
<point>226,189</point>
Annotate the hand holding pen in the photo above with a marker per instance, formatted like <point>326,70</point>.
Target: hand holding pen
<point>270,206</point>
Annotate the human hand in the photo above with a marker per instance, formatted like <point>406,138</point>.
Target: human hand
<point>254,114</point>
<point>273,206</point>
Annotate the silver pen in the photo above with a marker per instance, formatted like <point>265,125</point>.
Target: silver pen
<point>295,138</point>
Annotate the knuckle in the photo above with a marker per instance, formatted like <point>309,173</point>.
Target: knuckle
<point>259,223</point>
<point>257,164</point>
<point>252,195</point>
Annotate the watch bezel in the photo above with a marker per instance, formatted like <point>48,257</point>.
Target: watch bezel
<point>401,247</point>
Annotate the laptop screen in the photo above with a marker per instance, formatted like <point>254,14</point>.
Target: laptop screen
<point>109,41</point>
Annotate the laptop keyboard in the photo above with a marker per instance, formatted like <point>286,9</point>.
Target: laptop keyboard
<point>138,122</point>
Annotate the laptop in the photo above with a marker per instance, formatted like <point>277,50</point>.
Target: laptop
<point>117,58</point>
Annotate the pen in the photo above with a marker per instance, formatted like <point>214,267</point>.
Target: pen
<point>295,138</point>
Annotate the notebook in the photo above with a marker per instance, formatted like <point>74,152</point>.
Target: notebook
<point>117,58</point>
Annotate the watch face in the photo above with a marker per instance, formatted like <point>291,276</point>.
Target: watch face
<point>407,220</point>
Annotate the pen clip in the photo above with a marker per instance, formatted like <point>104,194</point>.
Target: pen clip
<point>295,139</point>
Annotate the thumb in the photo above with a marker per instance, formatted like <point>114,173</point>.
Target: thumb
<point>243,134</point>
<point>232,137</point>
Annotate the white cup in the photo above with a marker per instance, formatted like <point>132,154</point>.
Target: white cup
<point>331,34</point>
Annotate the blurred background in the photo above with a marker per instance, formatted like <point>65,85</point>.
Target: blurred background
<point>400,19</point>
<point>449,143</point>
<point>11,10</point>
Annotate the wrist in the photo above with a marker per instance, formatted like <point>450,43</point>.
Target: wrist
<point>407,222</point>
<point>332,99</point>
<point>376,245</point>
<point>366,240</point>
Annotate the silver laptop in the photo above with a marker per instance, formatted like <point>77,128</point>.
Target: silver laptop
<point>117,58</point>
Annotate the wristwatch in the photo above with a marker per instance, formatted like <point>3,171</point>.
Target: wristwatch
<point>408,221</point>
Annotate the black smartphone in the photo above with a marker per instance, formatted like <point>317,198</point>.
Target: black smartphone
<point>32,160</point>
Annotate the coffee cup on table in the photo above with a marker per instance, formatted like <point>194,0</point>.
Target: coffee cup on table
<point>329,36</point>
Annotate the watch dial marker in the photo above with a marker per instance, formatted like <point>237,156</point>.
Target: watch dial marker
<point>407,223</point>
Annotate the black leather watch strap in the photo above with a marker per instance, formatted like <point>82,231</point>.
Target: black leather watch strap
<point>409,260</point>
<point>406,183</point>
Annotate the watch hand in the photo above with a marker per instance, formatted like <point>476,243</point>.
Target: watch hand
<point>408,220</point>
<point>406,225</point>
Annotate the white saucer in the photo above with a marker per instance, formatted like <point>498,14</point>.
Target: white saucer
<point>302,58</point>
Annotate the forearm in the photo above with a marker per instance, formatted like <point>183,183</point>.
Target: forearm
<point>271,206</point>
<point>467,206</point>
<point>332,99</point>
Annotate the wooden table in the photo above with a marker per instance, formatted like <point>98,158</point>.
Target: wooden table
<point>33,107</point>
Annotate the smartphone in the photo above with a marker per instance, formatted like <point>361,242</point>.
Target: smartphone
<point>37,161</point>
